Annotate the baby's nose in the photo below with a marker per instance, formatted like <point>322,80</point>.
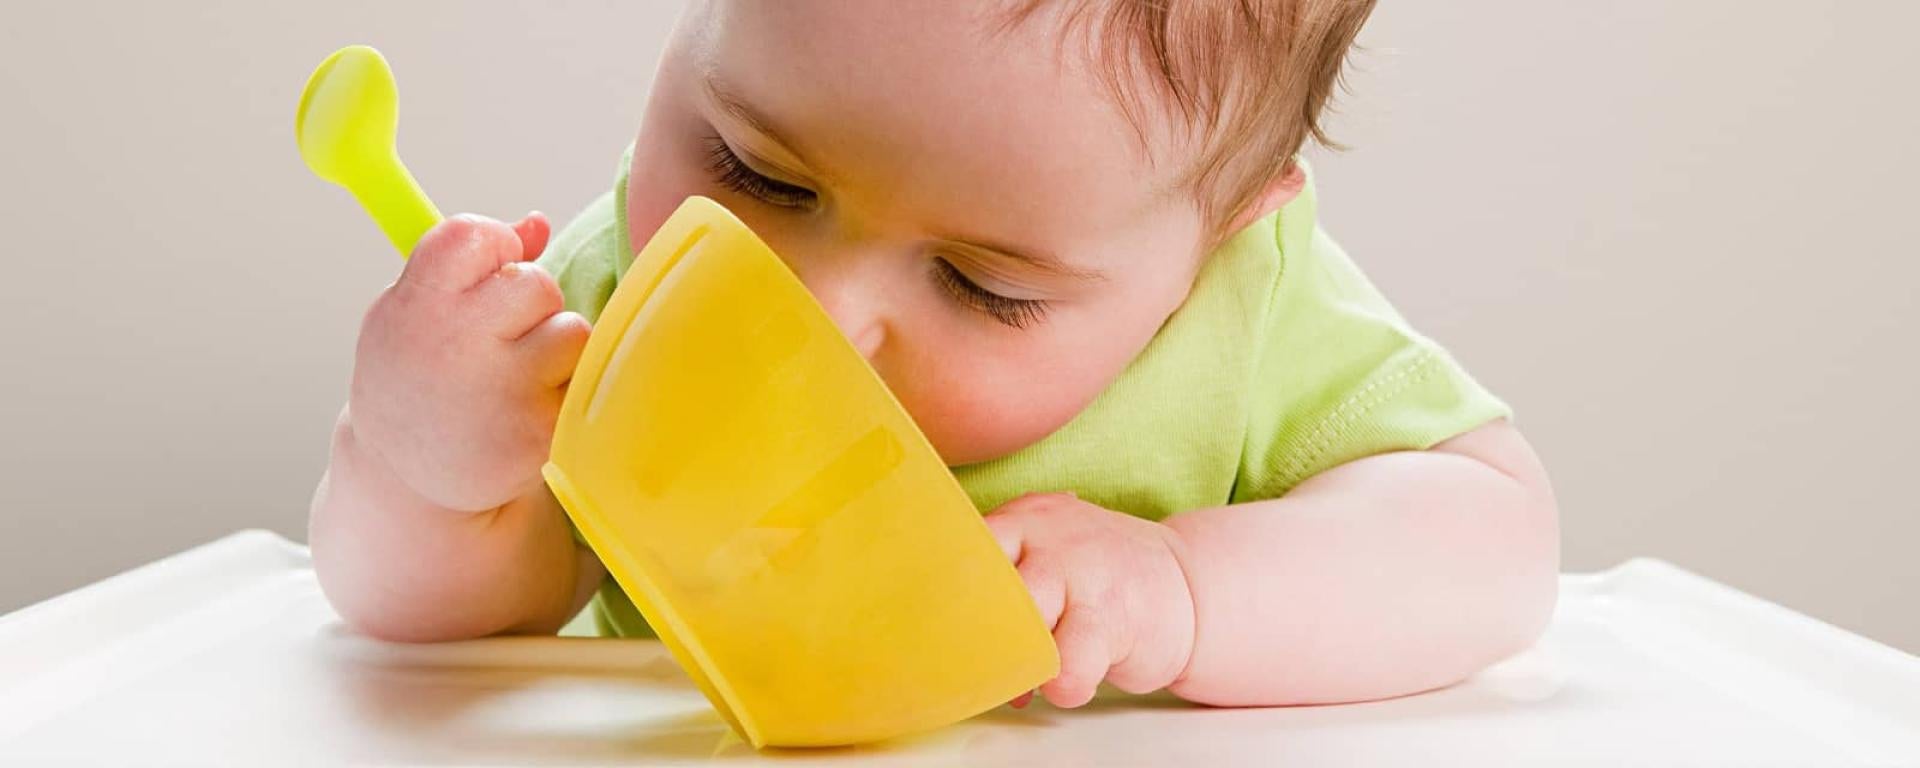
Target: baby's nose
<point>866,338</point>
<point>854,311</point>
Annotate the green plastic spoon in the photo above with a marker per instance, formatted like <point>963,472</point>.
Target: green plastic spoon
<point>348,118</point>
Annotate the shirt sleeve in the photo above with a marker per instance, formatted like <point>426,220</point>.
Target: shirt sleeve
<point>1341,375</point>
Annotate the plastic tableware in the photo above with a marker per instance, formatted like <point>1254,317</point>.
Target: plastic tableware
<point>349,116</point>
<point>772,510</point>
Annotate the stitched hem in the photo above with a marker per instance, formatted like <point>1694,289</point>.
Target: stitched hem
<point>1320,439</point>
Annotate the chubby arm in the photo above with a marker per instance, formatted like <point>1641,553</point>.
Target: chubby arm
<point>400,567</point>
<point>1385,576</point>
<point>432,522</point>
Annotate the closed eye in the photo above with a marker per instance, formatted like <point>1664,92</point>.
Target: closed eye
<point>1017,313</point>
<point>733,173</point>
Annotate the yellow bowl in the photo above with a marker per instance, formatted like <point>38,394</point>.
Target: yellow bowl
<point>773,511</point>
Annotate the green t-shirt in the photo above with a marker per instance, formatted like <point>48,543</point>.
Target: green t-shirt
<point>1283,362</point>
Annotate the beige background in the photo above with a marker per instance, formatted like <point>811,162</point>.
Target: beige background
<point>1678,236</point>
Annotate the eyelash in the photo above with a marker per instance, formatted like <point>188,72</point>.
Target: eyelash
<point>732,172</point>
<point>1017,313</point>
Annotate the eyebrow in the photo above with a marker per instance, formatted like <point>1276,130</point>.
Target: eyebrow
<point>1040,260</point>
<point>738,108</point>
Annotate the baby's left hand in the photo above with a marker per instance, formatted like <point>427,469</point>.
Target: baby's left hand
<point>1110,585</point>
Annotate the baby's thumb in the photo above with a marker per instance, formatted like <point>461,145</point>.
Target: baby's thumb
<point>463,250</point>
<point>1006,533</point>
<point>533,229</point>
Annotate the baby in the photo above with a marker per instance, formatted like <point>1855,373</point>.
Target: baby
<point>1074,238</point>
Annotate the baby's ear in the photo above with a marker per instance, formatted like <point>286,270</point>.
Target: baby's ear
<point>1277,193</point>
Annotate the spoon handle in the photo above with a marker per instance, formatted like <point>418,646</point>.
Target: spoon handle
<point>396,203</point>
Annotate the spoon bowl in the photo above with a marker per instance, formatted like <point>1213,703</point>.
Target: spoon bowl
<point>347,126</point>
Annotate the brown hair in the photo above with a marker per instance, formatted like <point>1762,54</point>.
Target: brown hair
<point>1250,78</point>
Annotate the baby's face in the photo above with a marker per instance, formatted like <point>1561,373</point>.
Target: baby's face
<point>966,201</point>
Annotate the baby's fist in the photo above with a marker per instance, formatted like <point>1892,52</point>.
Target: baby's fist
<point>1110,585</point>
<point>462,363</point>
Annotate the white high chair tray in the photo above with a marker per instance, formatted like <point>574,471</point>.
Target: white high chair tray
<point>228,654</point>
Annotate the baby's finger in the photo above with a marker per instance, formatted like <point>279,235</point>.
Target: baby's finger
<point>533,230</point>
<point>1006,532</point>
<point>458,253</point>
<point>1143,672</point>
<point>1047,585</point>
<point>515,299</point>
<point>1013,522</point>
<point>1021,701</point>
<point>1084,659</point>
<point>553,347</point>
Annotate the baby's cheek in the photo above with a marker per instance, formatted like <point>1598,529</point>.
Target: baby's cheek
<point>978,412</point>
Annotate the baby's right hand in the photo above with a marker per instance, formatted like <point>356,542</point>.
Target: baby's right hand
<point>462,363</point>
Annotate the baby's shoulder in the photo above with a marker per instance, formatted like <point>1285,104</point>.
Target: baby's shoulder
<point>1338,373</point>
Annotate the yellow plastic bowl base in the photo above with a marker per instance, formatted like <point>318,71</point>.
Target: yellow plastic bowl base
<point>772,510</point>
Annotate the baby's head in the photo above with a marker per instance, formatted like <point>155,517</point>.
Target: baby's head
<point>1000,204</point>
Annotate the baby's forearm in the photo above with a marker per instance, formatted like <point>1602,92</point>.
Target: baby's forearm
<point>400,567</point>
<point>1386,576</point>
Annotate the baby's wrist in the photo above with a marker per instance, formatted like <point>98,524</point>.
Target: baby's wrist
<point>1186,611</point>
<point>359,449</point>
